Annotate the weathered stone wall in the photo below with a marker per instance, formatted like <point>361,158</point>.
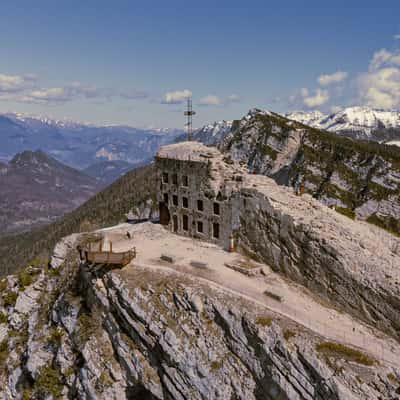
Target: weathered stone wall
<point>199,188</point>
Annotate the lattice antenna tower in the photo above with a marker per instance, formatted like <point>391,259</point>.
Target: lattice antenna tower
<point>189,114</point>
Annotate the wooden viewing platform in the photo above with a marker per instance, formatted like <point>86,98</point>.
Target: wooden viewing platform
<point>93,253</point>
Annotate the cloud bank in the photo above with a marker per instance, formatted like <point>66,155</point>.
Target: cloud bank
<point>336,77</point>
<point>176,97</point>
<point>380,86</point>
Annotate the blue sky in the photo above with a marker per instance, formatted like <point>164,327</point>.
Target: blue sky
<point>129,62</point>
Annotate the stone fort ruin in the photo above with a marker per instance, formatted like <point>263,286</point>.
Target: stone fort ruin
<point>195,188</point>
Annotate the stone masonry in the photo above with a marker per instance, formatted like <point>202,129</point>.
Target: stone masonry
<point>195,186</point>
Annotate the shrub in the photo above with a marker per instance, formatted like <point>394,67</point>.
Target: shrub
<point>216,365</point>
<point>337,349</point>
<point>3,318</point>
<point>346,212</point>
<point>264,321</point>
<point>288,334</point>
<point>10,299</point>
<point>24,279</point>
<point>55,337</point>
<point>49,382</point>
<point>3,353</point>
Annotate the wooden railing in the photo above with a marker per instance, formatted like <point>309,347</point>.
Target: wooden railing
<point>93,253</point>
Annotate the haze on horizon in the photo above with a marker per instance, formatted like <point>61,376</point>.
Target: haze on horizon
<point>130,63</point>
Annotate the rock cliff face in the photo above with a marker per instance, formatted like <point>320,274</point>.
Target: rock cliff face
<point>79,333</point>
<point>353,264</point>
<point>360,179</point>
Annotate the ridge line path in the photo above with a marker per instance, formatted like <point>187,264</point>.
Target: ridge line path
<point>298,304</point>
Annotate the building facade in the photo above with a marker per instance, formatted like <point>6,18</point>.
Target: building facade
<point>193,194</point>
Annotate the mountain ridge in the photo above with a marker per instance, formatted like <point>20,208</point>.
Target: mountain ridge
<point>35,189</point>
<point>357,122</point>
<point>80,145</point>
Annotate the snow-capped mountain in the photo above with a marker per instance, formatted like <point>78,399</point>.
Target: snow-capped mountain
<point>358,122</point>
<point>211,134</point>
<point>77,144</point>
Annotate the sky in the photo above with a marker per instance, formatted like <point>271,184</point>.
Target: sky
<point>135,63</point>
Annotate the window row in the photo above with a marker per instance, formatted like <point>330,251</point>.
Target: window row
<point>185,203</point>
<point>199,226</point>
<point>174,178</point>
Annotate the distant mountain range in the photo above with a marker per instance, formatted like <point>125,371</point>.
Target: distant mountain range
<point>354,122</point>
<point>80,145</point>
<point>36,189</point>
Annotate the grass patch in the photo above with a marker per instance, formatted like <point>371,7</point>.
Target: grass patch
<point>392,377</point>
<point>3,318</point>
<point>88,325</point>
<point>389,223</point>
<point>3,353</point>
<point>264,321</point>
<point>27,394</point>
<point>20,337</point>
<point>10,299</point>
<point>49,382</point>
<point>346,212</point>
<point>216,365</point>
<point>288,334</point>
<point>348,353</point>
<point>55,337</point>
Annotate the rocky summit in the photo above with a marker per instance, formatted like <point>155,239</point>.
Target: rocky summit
<point>306,308</point>
<point>156,333</point>
<point>358,178</point>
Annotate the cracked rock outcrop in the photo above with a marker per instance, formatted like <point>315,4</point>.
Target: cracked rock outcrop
<point>145,334</point>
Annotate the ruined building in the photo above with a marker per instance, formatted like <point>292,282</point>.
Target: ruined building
<point>196,188</point>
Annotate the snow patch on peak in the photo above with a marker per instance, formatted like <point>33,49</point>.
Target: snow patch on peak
<point>350,119</point>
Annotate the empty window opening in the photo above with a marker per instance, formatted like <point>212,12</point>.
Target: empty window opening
<point>215,230</point>
<point>175,200</point>
<point>200,205</point>
<point>185,202</point>
<point>185,180</point>
<point>216,209</point>
<point>175,223</point>
<point>185,222</point>
<point>175,179</point>
<point>165,177</point>
<point>200,226</point>
<point>166,198</point>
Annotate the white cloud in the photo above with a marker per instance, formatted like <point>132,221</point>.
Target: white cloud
<point>58,95</point>
<point>210,100</point>
<point>52,95</point>
<point>304,92</point>
<point>380,86</point>
<point>328,79</point>
<point>396,37</point>
<point>134,94</point>
<point>233,98</point>
<point>15,83</point>
<point>318,99</point>
<point>177,96</point>
<point>213,100</point>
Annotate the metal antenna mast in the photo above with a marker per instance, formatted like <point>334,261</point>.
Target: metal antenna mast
<point>189,113</point>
